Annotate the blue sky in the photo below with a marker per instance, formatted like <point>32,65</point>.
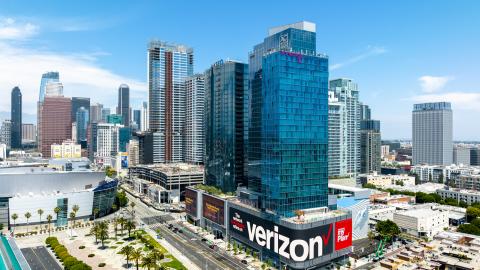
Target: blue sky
<point>399,52</point>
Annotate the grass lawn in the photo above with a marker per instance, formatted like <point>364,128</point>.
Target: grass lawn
<point>174,263</point>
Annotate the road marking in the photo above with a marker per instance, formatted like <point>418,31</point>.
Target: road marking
<point>44,267</point>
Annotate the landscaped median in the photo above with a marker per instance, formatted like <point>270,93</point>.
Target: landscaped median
<point>151,243</point>
<point>68,261</point>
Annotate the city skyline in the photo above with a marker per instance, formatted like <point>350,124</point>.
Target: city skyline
<point>400,62</point>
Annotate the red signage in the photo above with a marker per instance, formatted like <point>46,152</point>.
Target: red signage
<point>343,234</point>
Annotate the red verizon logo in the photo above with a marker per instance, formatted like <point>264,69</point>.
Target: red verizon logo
<point>343,234</point>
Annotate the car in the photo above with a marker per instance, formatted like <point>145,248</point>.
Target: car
<point>212,246</point>
<point>170,226</point>
<point>175,229</point>
<point>204,240</point>
<point>244,262</point>
<point>180,231</point>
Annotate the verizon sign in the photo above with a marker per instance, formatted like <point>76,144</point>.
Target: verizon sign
<point>296,245</point>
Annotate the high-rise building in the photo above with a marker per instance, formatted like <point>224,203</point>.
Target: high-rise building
<point>226,88</point>
<point>16,118</point>
<point>370,146</point>
<point>133,153</point>
<point>432,133</point>
<point>168,66</point>
<point>92,146</point>
<point>29,133</point>
<point>144,117</point>
<point>114,119</point>
<point>475,156</point>
<point>124,136</point>
<point>365,112</point>
<point>54,89</point>
<point>107,140</point>
<point>137,118</point>
<point>289,121</point>
<point>105,113</point>
<point>194,119</point>
<point>77,103</point>
<point>461,155</point>
<point>149,147</point>
<point>6,133</point>
<point>347,93</point>
<point>298,37</point>
<point>337,134</point>
<point>56,125</point>
<point>96,113</point>
<point>123,107</point>
<point>47,78</point>
<point>82,125</point>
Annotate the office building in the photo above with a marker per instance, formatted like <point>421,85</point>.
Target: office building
<point>346,91</point>
<point>194,119</point>
<point>137,119</point>
<point>168,66</point>
<point>56,125</point>
<point>114,119</point>
<point>16,118</point>
<point>475,156</point>
<point>226,86</point>
<point>124,136</point>
<point>370,146</point>
<point>82,125</point>
<point>365,112</point>
<point>67,149</point>
<point>96,113</point>
<point>133,152</point>
<point>29,133</point>
<point>432,133</point>
<point>92,146</point>
<point>123,107</point>
<point>104,114</point>
<point>337,137</point>
<point>6,133</point>
<point>77,103</point>
<point>461,155</point>
<point>3,151</point>
<point>108,142</point>
<point>422,222</point>
<point>385,151</point>
<point>54,89</point>
<point>144,117</point>
<point>47,78</point>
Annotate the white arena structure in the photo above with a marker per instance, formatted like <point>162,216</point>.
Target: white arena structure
<point>28,189</point>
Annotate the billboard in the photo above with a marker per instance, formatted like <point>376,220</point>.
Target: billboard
<point>214,209</point>
<point>297,245</point>
<point>124,160</point>
<point>191,202</point>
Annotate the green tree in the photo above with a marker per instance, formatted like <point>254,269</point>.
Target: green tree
<point>110,172</point>
<point>94,231</point>
<point>130,225</point>
<point>472,213</point>
<point>114,207</point>
<point>103,232</point>
<point>40,213</point>
<point>121,199</point>
<point>469,228</point>
<point>49,221</point>
<point>136,256</point>
<point>72,220</point>
<point>451,201</point>
<point>14,217</point>
<point>28,216</point>
<point>417,179</point>
<point>476,222</point>
<point>95,213</point>
<point>122,222</point>
<point>463,204</point>
<point>370,186</point>
<point>127,251</point>
<point>387,228</point>
<point>148,262</point>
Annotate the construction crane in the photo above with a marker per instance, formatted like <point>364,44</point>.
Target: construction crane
<point>380,249</point>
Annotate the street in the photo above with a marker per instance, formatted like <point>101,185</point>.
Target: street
<point>187,243</point>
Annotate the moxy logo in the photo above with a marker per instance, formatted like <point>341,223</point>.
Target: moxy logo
<point>343,234</point>
<point>297,249</point>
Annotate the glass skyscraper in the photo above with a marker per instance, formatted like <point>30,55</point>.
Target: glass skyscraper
<point>226,85</point>
<point>16,117</point>
<point>288,129</point>
<point>47,78</point>
<point>82,124</point>
<point>168,67</point>
<point>123,107</point>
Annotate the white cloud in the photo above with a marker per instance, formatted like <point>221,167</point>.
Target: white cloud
<point>432,84</point>
<point>13,30</point>
<point>460,100</point>
<point>371,51</point>
<point>80,74</point>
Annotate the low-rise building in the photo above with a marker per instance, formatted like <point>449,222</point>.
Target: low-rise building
<point>68,149</point>
<point>422,222</point>
<point>468,196</point>
<point>470,181</point>
<point>394,199</point>
<point>381,180</point>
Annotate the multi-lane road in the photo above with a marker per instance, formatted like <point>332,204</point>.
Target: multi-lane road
<point>188,243</point>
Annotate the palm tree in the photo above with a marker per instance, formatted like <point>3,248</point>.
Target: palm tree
<point>40,213</point>
<point>116,222</point>
<point>75,209</point>
<point>122,222</point>
<point>132,205</point>
<point>114,207</point>
<point>57,210</point>
<point>130,225</point>
<point>14,217</point>
<point>27,216</point>
<point>148,262</point>
<point>127,251</point>
<point>95,213</point>
<point>136,256</point>
<point>72,219</point>
<point>49,220</point>
<point>103,232</point>
<point>156,255</point>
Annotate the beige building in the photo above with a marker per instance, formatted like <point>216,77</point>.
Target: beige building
<point>68,149</point>
<point>381,180</point>
<point>423,222</point>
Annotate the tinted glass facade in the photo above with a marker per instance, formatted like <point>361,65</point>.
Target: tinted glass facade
<point>104,197</point>
<point>123,107</point>
<point>77,103</point>
<point>226,85</point>
<point>294,143</point>
<point>46,78</point>
<point>16,117</point>
<point>82,124</point>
